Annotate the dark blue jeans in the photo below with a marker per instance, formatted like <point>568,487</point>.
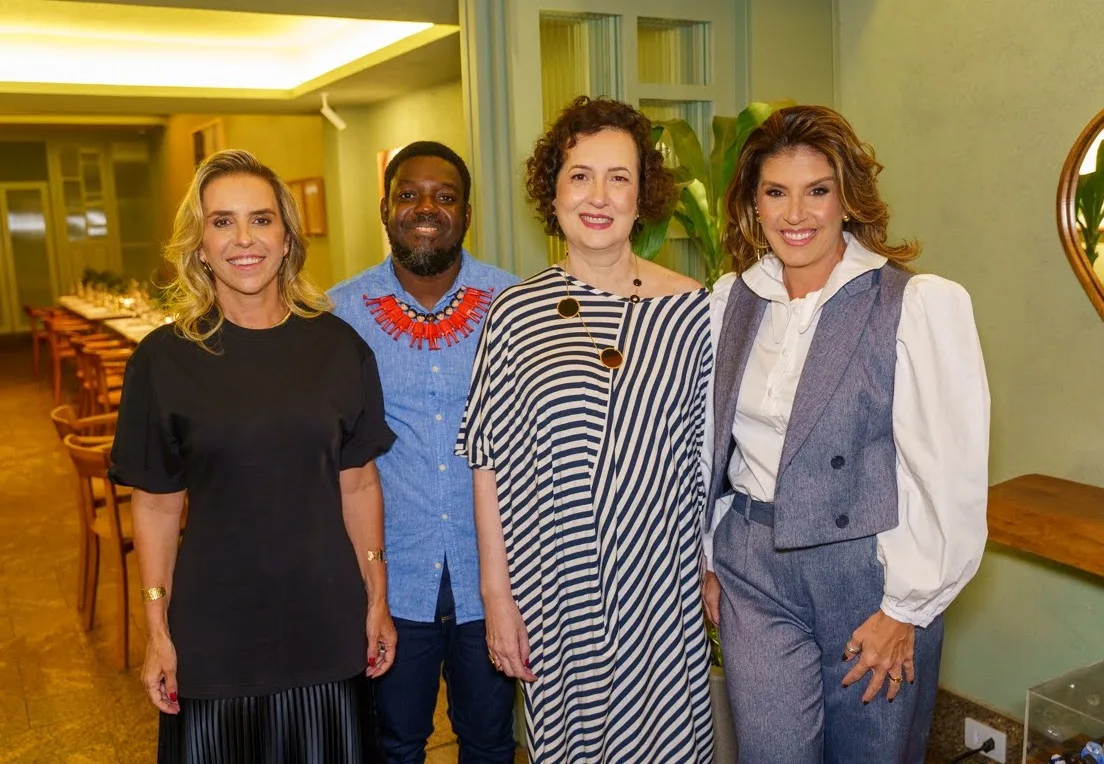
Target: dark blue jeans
<point>480,699</point>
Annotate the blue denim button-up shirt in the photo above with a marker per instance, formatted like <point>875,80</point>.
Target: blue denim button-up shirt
<point>427,489</point>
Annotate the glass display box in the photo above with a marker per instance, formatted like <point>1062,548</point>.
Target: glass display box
<point>1064,714</point>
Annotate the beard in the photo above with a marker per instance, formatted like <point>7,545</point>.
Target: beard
<point>424,259</point>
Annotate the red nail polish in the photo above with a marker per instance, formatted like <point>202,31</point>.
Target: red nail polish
<point>172,696</point>
<point>372,662</point>
<point>526,663</point>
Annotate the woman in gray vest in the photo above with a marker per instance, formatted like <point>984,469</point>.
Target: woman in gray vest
<point>850,429</point>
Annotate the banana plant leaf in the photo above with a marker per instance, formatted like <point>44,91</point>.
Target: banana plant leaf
<point>1090,206</point>
<point>702,184</point>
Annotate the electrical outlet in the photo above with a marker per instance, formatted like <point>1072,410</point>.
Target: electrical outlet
<point>977,733</point>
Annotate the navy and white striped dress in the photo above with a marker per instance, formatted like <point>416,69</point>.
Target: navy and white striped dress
<point>601,500</point>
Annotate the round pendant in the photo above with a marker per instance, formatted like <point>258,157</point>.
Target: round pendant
<point>611,358</point>
<point>568,307</point>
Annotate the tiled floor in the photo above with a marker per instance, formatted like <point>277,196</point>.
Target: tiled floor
<point>61,699</point>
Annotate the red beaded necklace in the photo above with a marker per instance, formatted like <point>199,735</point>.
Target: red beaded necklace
<point>466,309</point>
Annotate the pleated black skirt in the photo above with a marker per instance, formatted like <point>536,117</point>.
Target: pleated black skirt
<point>332,723</point>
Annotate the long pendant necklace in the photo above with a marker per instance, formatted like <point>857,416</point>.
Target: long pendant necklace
<point>568,307</point>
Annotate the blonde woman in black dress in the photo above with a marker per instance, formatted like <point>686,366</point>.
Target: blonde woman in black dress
<point>266,411</point>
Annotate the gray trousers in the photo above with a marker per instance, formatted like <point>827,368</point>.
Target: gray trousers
<point>786,617</point>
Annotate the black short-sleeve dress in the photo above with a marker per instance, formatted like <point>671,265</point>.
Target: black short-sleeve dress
<point>267,602</point>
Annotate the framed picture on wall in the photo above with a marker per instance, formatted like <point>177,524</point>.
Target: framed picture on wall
<point>206,140</point>
<point>310,195</point>
<point>382,159</point>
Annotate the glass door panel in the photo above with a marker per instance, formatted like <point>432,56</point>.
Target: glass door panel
<point>26,252</point>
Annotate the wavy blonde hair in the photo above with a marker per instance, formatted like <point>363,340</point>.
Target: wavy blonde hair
<point>826,132</point>
<point>190,297</point>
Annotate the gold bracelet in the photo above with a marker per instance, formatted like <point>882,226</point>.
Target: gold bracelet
<point>153,593</point>
<point>375,555</point>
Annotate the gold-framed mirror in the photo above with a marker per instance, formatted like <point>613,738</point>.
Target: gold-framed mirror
<point>1081,210</point>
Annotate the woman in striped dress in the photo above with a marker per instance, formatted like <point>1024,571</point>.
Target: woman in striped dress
<point>584,425</point>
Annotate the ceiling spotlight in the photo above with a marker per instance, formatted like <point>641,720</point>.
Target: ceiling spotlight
<point>330,114</point>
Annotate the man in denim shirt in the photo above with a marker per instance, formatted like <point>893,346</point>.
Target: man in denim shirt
<point>421,311</point>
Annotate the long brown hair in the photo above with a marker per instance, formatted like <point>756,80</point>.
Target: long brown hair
<point>828,133</point>
<point>190,297</point>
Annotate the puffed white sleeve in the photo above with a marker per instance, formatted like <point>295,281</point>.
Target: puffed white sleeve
<point>718,301</point>
<point>941,431</point>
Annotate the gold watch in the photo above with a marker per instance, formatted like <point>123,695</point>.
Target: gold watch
<point>375,555</point>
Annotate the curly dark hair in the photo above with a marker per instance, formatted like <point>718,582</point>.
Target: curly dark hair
<point>827,132</point>
<point>587,116</point>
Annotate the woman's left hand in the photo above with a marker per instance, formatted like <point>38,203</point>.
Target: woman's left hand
<point>882,646</point>
<point>382,640</point>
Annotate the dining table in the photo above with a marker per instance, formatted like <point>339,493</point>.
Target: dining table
<point>132,328</point>
<point>91,311</point>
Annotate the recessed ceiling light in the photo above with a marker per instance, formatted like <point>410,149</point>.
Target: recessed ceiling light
<point>50,41</point>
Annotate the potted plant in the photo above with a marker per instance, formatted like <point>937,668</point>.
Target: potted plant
<point>700,205</point>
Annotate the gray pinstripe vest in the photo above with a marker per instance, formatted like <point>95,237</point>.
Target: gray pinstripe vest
<point>837,476</point>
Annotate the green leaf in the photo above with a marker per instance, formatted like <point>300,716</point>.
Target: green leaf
<point>694,204</point>
<point>1089,201</point>
<point>650,238</point>
<point>687,148</point>
<point>729,136</point>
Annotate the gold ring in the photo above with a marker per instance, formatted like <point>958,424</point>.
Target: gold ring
<point>895,679</point>
<point>493,661</point>
<point>852,650</point>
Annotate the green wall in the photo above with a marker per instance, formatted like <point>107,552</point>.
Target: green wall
<point>791,51</point>
<point>352,159</point>
<point>972,107</point>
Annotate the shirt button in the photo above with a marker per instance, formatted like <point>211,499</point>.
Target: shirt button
<point>838,462</point>
<point>785,353</point>
<point>444,516</point>
<point>442,467</point>
<point>842,521</point>
<point>438,417</point>
<point>436,566</point>
<point>435,369</point>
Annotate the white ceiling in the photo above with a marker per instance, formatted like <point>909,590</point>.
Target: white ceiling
<point>431,64</point>
<point>433,11</point>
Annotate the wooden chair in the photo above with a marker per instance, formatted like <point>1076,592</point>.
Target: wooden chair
<point>85,347</point>
<point>109,529</point>
<point>95,430</point>
<point>66,422</point>
<point>108,370</point>
<point>38,332</point>
<point>59,329</point>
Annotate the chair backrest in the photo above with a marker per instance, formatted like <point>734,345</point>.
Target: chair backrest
<point>92,459</point>
<point>66,422</point>
<point>60,328</point>
<point>35,316</point>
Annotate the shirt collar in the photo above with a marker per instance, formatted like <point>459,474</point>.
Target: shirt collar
<point>392,283</point>
<point>765,279</point>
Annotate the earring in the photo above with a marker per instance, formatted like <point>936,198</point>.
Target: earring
<point>757,218</point>
<point>846,217</point>
<point>207,268</point>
